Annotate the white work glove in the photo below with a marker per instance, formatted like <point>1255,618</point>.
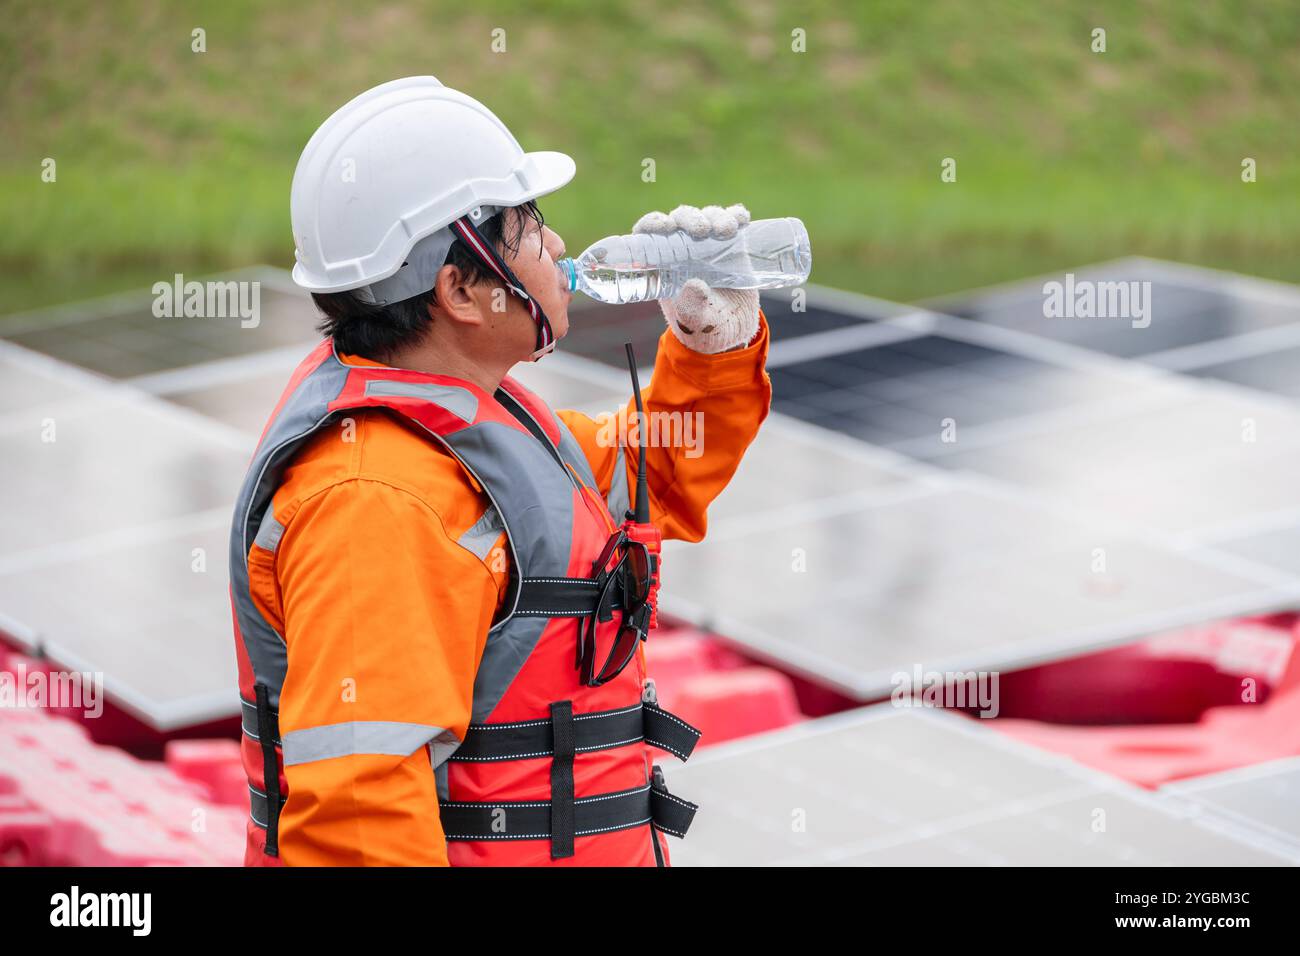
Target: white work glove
<point>704,319</point>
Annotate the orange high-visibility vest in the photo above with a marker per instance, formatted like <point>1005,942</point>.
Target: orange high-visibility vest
<point>549,768</point>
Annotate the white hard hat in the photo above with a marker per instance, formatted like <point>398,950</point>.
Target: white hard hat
<point>382,179</point>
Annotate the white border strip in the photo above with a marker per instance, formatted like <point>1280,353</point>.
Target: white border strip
<point>226,371</point>
<point>1235,775</point>
<point>22,562</point>
<point>106,391</point>
<point>1234,348</point>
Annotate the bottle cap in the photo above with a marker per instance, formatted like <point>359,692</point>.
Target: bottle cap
<point>568,274</point>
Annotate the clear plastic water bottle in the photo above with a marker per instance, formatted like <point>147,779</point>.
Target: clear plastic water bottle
<point>767,254</point>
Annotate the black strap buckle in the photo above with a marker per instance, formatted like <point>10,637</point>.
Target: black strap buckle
<point>671,814</point>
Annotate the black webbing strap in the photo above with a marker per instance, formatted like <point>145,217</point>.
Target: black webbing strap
<point>668,732</point>
<point>603,813</point>
<point>267,733</point>
<point>596,730</point>
<point>531,820</point>
<point>257,800</point>
<point>526,739</point>
<point>671,814</point>
<point>563,809</point>
<point>248,718</point>
<point>557,597</point>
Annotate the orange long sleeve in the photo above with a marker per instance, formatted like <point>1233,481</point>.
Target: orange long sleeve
<point>702,413</point>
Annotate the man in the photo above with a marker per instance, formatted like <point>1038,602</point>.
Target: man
<point>438,619</point>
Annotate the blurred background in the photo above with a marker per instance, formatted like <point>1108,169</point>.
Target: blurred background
<point>1080,537</point>
<point>1064,156</point>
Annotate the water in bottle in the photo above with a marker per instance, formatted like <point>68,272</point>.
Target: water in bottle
<point>767,254</point>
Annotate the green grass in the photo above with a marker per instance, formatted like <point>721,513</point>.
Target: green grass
<point>173,161</point>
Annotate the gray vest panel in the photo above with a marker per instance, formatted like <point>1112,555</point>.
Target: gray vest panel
<point>531,491</point>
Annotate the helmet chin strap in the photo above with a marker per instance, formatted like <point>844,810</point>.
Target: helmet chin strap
<point>484,251</point>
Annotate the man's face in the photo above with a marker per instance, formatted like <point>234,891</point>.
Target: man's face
<point>540,248</point>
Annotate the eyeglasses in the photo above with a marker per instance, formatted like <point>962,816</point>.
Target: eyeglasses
<point>625,587</point>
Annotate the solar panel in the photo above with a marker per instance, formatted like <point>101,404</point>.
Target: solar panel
<point>108,491</point>
<point>853,591</point>
<point>790,466</point>
<point>1277,546</point>
<point>1265,797</point>
<point>890,394</point>
<point>120,461</point>
<point>149,609</point>
<point>902,563</point>
<point>33,384</point>
<point>1188,307</point>
<point>130,340</point>
<point>1186,460</point>
<point>885,787</point>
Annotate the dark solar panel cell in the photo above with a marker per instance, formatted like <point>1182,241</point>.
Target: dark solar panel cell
<point>1277,372</point>
<point>905,390</point>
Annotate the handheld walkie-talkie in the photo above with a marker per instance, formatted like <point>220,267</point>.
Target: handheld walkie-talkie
<point>637,524</point>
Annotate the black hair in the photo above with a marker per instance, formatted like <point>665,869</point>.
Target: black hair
<point>378,332</point>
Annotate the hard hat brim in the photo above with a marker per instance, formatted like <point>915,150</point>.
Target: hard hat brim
<point>554,170</point>
<point>536,174</point>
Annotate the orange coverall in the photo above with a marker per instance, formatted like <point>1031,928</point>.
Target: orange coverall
<point>385,616</point>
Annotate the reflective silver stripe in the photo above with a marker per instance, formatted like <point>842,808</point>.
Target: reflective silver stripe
<point>440,780</point>
<point>440,749</point>
<point>358,737</point>
<point>459,401</point>
<point>617,498</point>
<point>269,532</point>
<point>479,538</point>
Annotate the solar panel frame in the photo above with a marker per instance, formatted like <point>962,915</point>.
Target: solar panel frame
<point>886,785</point>
<point>1276,371</point>
<point>1264,797</point>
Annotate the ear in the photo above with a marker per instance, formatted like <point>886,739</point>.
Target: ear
<point>457,299</point>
